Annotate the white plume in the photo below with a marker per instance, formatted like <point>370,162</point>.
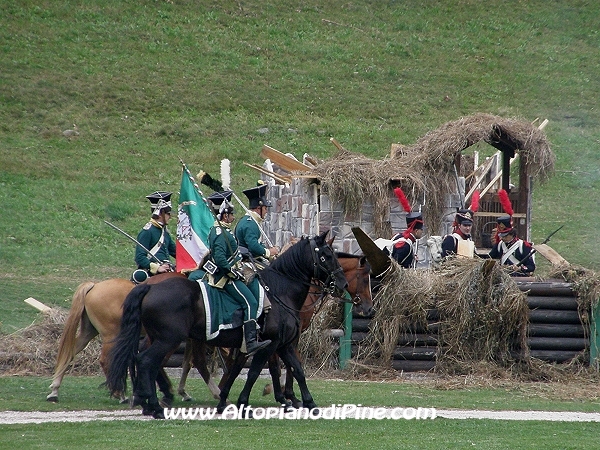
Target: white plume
<point>226,174</point>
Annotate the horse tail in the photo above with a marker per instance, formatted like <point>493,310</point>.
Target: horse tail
<point>66,344</point>
<point>122,355</point>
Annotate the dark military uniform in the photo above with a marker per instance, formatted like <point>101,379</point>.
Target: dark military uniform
<point>450,242</point>
<point>404,246</point>
<point>517,252</point>
<point>154,236</point>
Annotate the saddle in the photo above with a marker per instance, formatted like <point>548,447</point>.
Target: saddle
<point>221,309</point>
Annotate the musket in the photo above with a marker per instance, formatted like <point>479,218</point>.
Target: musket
<point>543,242</point>
<point>131,238</point>
<point>216,185</point>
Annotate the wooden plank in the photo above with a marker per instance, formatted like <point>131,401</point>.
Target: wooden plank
<point>486,169</point>
<point>550,254</point>
<point>277,177</point>
<point>553,355</point>
<point>37,305</point>
<point>552,302</point>
<point>284,161</point>
<point>555,330</point>
<point>496,178</point>
<point>553,316</point>
<point>407,365</point>
<point>557,343</point>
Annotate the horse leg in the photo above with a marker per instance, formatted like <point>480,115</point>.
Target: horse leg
<point>165,386</point>
<point>258,362</point>
<point>198,355</point>
<point>288,355</point>
<point>289,382</point>
<point>86,334</point>
<point>185,370</point>
<point>275,372</point>
<point>228,379</point>
<point>149,363</point>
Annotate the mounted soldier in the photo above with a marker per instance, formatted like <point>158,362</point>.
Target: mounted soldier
<point>225,271</point>
<point>155,245</point>
<point>247,230</point>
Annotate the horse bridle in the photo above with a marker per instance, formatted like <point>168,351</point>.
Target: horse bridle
<point>328,286</point>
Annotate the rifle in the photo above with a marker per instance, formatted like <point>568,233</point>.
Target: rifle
<point>545,241</point>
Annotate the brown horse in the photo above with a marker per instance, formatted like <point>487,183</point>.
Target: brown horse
<point>357,272</point>
<point>96,309</point>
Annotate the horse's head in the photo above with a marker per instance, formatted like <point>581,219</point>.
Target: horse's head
<point>357,271</point>
<point>327,268</point>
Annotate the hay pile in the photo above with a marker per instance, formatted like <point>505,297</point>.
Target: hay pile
<point>482,315</point>
<point>32,350</point>
<point>426,169</point>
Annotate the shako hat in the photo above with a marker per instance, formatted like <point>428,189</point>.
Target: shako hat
<point>256,196</point>
<point>160,200</point>
<point>504,226</point>
<point>414,221</point>
<point>221,203</point>
<point>464,217</point>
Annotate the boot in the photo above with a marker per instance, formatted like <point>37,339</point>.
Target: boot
<point>252,346</point>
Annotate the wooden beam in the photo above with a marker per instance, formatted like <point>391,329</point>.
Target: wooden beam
<point>495,179</point>
<point>37,305</point>
<point>284,161</point>
<point>486,169</point>
<point>277,177</point>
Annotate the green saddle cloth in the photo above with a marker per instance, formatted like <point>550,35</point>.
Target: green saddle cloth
<point>220,307</point>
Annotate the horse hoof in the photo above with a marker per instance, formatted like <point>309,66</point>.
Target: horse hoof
<point>159,414</point>
<point>166,402</point>
<point>123,401</point>
<point>147,411</point>
<point>187,398</point>
<point>52,398</point>
<point>268,389</point>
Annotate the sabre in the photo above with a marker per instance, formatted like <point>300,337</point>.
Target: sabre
<point>131,238</point>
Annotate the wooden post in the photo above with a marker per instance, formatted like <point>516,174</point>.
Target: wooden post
<point>346,340</point>
<point>595,337</point>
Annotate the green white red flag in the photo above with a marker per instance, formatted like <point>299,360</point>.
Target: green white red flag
<point>193,225</point>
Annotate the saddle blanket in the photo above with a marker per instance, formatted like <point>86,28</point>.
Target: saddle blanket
<point>220,308</point>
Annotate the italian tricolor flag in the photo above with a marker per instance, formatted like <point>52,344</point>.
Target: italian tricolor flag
<point>193,225</point>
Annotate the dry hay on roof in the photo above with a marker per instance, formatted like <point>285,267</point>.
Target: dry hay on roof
<point>440,147</point>
<point>32,350</point>
<point>351,179</point>
<point>425,170</point>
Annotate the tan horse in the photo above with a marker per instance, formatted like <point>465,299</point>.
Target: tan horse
<point>96,309</point>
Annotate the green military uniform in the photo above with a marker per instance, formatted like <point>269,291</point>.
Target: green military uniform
<point>224,255</point>
<point>149,236</point>
<point>248,235</point>
<point>158,246</point>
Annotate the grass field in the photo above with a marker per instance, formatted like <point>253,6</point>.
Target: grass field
<point>28,393</point>
<point>149,82</point>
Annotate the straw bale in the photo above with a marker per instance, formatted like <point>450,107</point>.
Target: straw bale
<point>318,348</point>
<point>32,350</point>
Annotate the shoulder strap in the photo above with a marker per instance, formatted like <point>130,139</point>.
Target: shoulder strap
<point>154,250</point>
<point>509,254</point>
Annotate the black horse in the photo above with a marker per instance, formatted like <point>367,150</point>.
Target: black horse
<point>173,310</point>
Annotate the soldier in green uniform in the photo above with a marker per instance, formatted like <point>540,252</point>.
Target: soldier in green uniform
<point>247,230</point>
<point>156,239</point>
<point>226,275</point>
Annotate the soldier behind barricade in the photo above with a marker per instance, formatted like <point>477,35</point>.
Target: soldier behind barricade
<point>154,236</point>
<point>403,250</point>
<point>225,271</point>
<point>513,252</point>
